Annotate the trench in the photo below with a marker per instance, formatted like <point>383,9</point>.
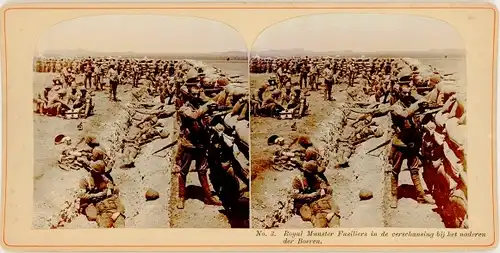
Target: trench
<point>272,206</point>
<point>57,207</point>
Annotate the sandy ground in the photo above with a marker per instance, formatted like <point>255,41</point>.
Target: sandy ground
<point>53,186</point>
<point>271,207</point>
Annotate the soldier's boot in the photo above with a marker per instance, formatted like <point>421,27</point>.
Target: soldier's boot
<point>182,191</point>
<point>394,191</point>
<point>421,197</point>
<point>209,199</point>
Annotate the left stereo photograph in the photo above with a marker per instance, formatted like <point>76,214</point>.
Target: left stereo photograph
<point>141,133</point>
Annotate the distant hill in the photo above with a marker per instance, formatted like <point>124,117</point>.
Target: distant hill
<point>86,53</point>
<point>301,52</point>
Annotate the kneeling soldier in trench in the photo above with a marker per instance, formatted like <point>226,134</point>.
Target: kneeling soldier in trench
<point>312,196</point>
<point>99,199</point>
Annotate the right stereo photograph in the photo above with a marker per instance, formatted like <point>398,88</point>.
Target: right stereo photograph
<point>358,120</point>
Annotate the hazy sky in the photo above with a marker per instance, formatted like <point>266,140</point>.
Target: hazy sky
<point>359,32</point>
<point>142,34</point>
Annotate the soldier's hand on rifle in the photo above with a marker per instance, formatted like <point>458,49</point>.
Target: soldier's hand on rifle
<point>423,104</point>
<point>315,194</point>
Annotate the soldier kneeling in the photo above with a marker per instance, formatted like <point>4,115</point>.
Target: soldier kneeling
<point>99,199</point>
<point>313,199</point>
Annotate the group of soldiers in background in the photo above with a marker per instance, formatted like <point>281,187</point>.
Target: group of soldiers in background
<point>196,97</point>
<point>391,86</point>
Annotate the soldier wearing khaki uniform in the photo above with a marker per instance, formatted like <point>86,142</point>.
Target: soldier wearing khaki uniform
<point>192,146</point>
<point>312,196</point>
<point>99,199</point>
<point>406,142</point>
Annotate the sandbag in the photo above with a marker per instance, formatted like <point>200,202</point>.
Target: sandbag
<point>456,132</point>
<point>458,209</point>
<point>448,105</point>
<point>452,165</point>
<point>372,99</point>
<point>231,120</point>
<point>237,107</point>
<point>463,120</point>
<point>458,108</point>
<point>191,74</point>
<point>441,185</point>
<point>221,98</point>
<point>441,118</point>
<point>448,88</point>
<point>243,131</point>
<point>236,90</point>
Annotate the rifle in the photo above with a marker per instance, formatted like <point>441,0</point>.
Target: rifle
<point>219,108</point>
<point>379,146</point>
<point>431,111</point>
<point>421,89</point>
<point>165,147</point>
<point>213,90</point>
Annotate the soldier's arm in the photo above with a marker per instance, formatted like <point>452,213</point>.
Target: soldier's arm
<point>83,193</point>
<point>110,187</point>
<point>381,111</point>
<point>194,114</point>
<point>417,96</point>
<point>297,192</point>
<point>293,142</point>
<point>405,112</point>
<point>362,117</point>
<point>327,188</point>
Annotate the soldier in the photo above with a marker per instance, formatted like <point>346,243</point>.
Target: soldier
<point>192,146</point>
<point>99,198</point>
<point>151,129</point>
<point>432,93</point>
<point>406,142</point>
<point>303,140</point>
<point>280,74</point>
<point>297,103</point>
<point>135,74</point>
<point>304,72</point>
<point>271,106</point>
<point>98,76</point>
<point>312,196</point>
<point>72,96</point>
<point>84,102</point>
<point>113,82</point>
<point>364,132</point>
<point>57,104</point>
<point>313,76</point>
<point>287,97</point>
<point>329,79</point>
<point>42,100</point>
